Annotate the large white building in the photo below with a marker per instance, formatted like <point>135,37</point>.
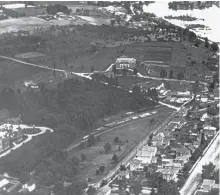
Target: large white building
<point>125,62</point>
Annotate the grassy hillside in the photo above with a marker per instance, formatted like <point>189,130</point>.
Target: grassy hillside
<point>71,108</point>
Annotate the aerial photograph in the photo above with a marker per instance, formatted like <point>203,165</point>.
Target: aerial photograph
<point>109,97</point>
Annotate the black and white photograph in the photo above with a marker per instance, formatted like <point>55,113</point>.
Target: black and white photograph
<point>109,97</point>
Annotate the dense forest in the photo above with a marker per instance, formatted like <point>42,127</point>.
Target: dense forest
<point>71,108</point>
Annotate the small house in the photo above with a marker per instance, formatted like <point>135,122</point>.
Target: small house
<point>29,186</point>
<point>181,159</point>
<point>123,175</point>
<point>125,62</point>
<point>209,130</point>
<point>207,184</point>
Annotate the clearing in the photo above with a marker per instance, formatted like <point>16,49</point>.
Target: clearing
<point>96,155</point>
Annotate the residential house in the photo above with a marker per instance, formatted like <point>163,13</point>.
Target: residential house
<point>207,184</point>
<point>4,141</point>
<point>181,151</point>
<point>181,159</point>
<point>157,140</point>
<point>172,165</point>
<point>125,62</point>
<point>196,144</point>
<point>106,190</point>
<point>169,173</point>
<point>146,154</point>
<point>29,186</point>
<point>166,142</point>
<point>172,126</point>
<point>209,130</point>
<point>135,165</point>
<point>123,175</point>
<point>191,148</point>
<point>166,161</point>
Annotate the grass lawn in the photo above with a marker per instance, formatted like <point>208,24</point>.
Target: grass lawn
<point>96,155</point>
<point>31,131</point>
<point>100,60</point>
<point>15,73</point>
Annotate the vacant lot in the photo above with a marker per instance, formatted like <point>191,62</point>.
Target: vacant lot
<point>130,135</point>
<point>15,73</point>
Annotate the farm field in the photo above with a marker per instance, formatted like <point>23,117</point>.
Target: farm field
<point>15,73</point>
<point>96,155</point>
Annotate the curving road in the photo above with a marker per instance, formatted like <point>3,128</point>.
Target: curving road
<point>23,126</point>
<point>88,75</point>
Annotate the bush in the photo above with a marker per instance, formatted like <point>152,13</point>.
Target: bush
<point>214,47</point>
<point>54,9</point>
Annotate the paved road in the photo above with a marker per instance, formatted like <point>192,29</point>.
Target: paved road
<point>23,126</point>
<point>88,75</point>
<point>209,155</point>
<point>45,67</point>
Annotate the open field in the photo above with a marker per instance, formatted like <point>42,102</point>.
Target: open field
<point>14,73</point>
<point>96,155</point>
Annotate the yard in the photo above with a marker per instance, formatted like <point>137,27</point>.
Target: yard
<point>129,135</point>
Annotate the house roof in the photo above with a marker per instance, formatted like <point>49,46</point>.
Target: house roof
<point>184,157</point>
<point>150,149</point>
<point>208,182</point>
<point>210,128</point>
<point>123,173</point>
<point>201,192</point>
<point>181,150</point>
<point>172,164</point>
<point>144,153</point>
<point>168,171</point>
<point>135,162</point>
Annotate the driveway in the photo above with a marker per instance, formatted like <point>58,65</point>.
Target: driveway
<point>23,126</point>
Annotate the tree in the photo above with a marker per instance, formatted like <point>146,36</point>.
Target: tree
<point>58,186</point>
<point>107,147</point>
<point>136,188</point>
<point>197,43</point>
<point>119,148</point>
<point>171,74</point>
<point>135,71</point>
<point>102,169</point>
<point>124,72</point>
<point>163,73</point>
<point>216,176</point>
<point>123,168</point>
<point>180,76</point>
<point>114,70</point>
<point>92,69</point>
<point>116,140</point>
<point>112,22</point>
<point>24,177</point>
<point>83,157</point>
<point>91,140</point>
<point>208,171</point>
<point>91,191</point>
<point>115,158</point>
<point>153,192</point>
<point>206,42</point>
<point>214,47</point>
<point>82,67</point>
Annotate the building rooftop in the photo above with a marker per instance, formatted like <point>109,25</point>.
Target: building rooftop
<point>208,182</point>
